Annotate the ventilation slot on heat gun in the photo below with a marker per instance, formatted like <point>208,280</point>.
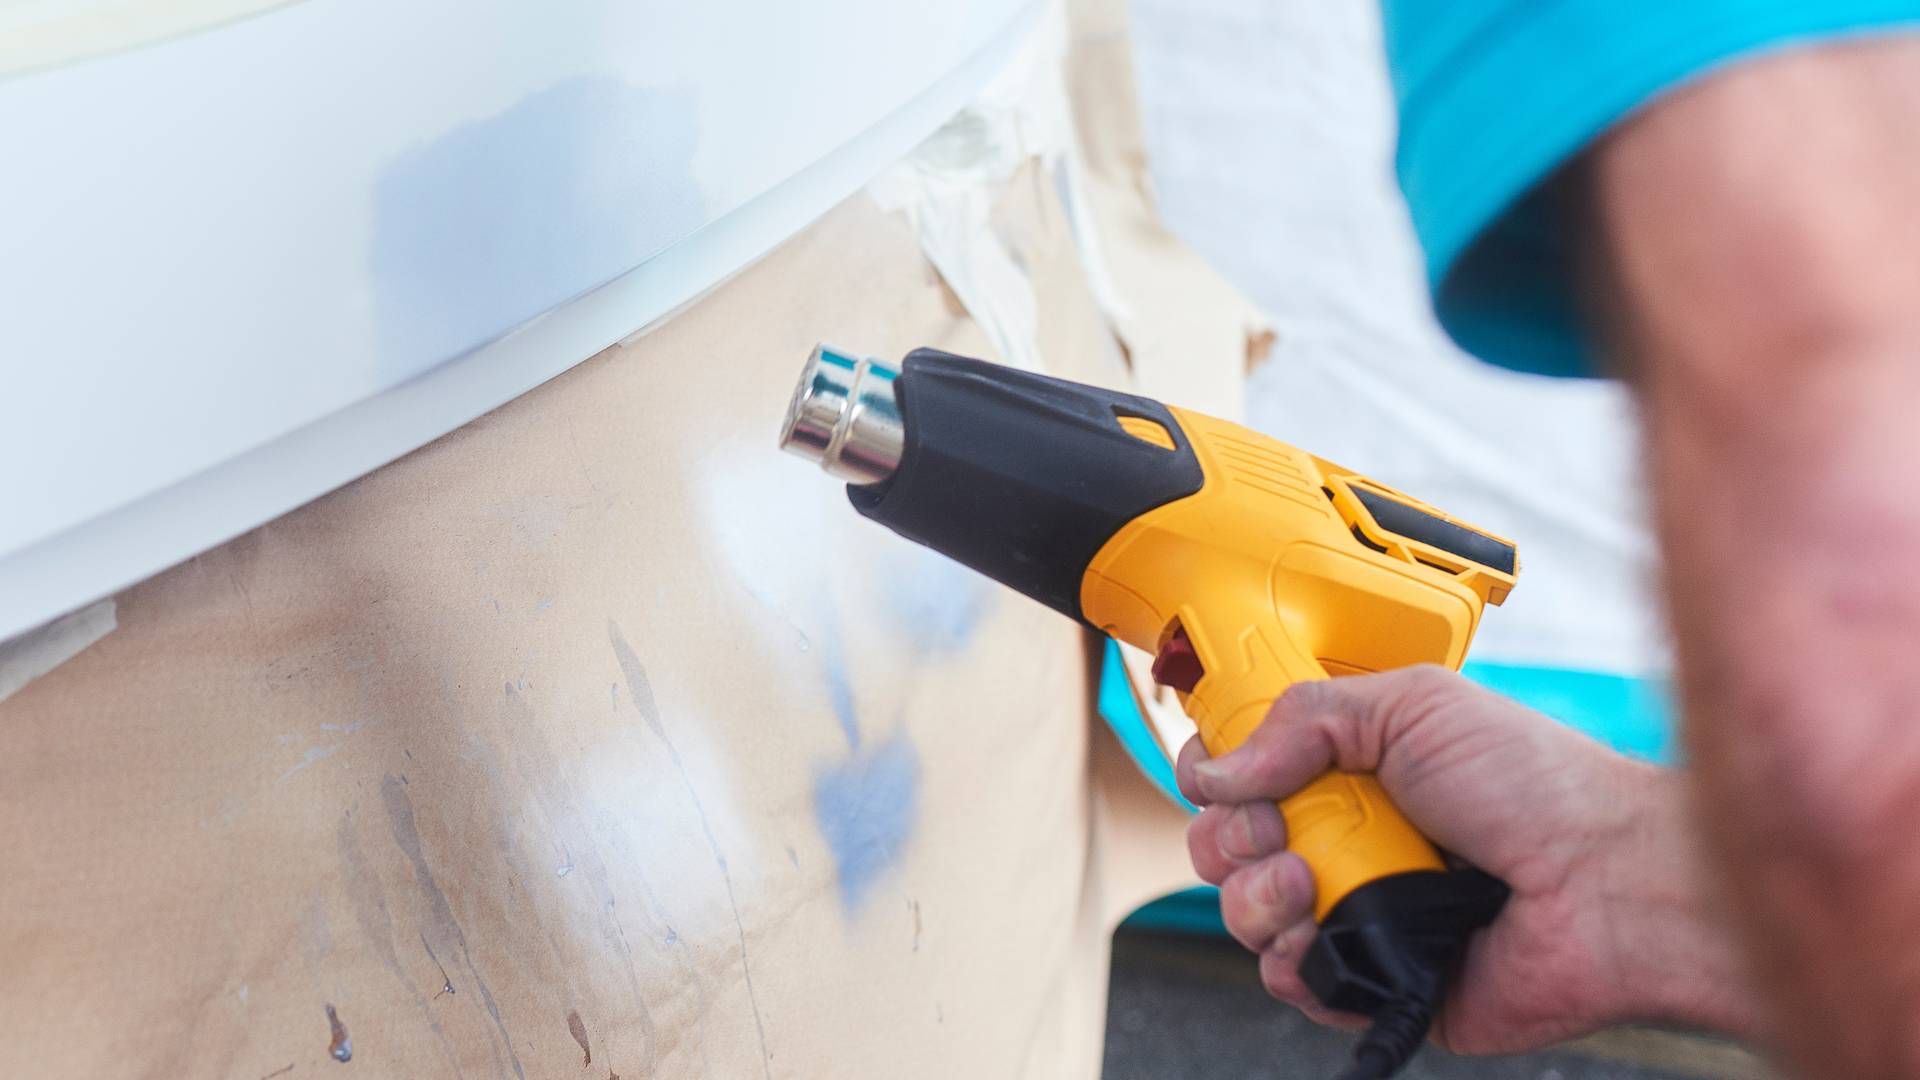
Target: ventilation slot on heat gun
<point>1415,524</point>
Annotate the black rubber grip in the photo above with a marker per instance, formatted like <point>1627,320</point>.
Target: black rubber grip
<point>1020,476</point>
<point>1397,938</point>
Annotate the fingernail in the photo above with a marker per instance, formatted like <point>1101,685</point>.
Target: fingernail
<point>1257,830</point>
<point>1239,831</point>
<point>1211,769</point>
<point>1291,880</point>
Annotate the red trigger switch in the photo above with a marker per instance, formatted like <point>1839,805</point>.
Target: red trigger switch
<point>1177,665</point>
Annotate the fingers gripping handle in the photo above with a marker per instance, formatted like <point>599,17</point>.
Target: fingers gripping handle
<point>1393,920</point>
<point>1349,832</point>
<point>1342,824</point>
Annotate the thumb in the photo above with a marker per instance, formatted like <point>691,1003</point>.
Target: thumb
<point>1347,723</point>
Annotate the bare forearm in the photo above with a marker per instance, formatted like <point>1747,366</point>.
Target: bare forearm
<point>1763,252</point>
<point>1679,962</point>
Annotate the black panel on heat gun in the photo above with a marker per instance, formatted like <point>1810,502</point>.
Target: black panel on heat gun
<point>1020,476</point>
<point>1415,524</point>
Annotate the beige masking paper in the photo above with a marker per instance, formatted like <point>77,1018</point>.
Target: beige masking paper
<point>598,738</point>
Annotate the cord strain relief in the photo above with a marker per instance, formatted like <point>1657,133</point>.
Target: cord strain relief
<point>1395,1035</point>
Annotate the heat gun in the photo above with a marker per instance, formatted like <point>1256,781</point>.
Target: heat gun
<point>1242,564</point>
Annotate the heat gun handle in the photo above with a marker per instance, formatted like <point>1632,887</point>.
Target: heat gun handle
<point>1342,824</point>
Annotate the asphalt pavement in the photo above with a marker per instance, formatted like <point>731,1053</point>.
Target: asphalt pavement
<point>1191,1008</point>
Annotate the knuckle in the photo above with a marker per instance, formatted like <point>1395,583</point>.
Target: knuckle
<point>1426,693</point>
<point>1303,699</point>
<point>1429,679</point>
<point>1326,707</point>
<point>1243,932</point>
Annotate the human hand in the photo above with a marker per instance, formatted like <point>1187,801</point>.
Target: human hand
<point>1606,921</point>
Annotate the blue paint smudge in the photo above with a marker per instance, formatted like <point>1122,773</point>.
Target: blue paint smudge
<point>840,692</point>
<point>866,807</point>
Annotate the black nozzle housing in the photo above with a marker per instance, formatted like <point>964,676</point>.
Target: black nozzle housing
<point>1020,476</point>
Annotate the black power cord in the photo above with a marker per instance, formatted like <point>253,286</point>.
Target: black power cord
<point>1396,1034</point>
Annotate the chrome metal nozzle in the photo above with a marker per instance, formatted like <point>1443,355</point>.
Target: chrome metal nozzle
<point>844,416</point>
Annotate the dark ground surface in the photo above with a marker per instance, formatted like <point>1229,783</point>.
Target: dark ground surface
<point>1184,1008</point>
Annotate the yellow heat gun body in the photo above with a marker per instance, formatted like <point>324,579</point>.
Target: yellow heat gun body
<point>1243,564</point>
<point>1276,572</point>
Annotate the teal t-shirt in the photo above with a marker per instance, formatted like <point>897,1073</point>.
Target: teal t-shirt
<point>1495,95</point>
